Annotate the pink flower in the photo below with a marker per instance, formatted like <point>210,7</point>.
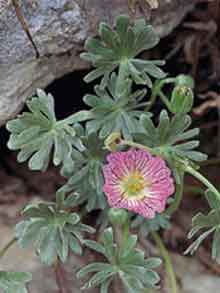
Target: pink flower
<point>137,181</point>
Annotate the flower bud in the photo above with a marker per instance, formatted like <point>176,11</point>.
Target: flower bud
<point>186,80</point>
<point>181,100</point>
<point>118,216</point>
<point>112,141</point>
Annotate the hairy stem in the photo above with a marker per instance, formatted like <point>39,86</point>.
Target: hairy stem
<point>7,247</point>
<point>203,179</point>
<point>167,262</point>
<point>121,234</point>
<point>60,276</point>
<point>118,286</point>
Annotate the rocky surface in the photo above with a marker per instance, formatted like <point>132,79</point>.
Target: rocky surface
<point>59,29</point>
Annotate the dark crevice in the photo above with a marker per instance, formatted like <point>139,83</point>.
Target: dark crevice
<point>68,93</point>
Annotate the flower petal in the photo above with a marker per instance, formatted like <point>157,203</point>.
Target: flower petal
<point>158,183</point>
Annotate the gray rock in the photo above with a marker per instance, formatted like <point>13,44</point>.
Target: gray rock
<point>59,29</point>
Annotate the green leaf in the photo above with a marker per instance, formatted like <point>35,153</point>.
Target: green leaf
<point>212,200</point>
<point>127,263</point>
<point>105,286</point>
<point>93,267</point>
<point>51,231</point>
<point>152,263</point>
<point>14,282</point>
<point>210,223</point>
<point>131,283</point>
<point>74,245</point>
<point>47,245</point>
<point>99,278</point>
<point>204,221</point>
<point>129,246</point>
<point>195,245</point>
<point>37,134</point>
<point>86,182</point>
<point>119,48</point>
<point>171,138</point>
<point>95,246</point>
<point>160,221</point>
<point>216,244</point>
<point>115,108</point>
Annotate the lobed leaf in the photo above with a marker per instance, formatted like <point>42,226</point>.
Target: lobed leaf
<point>14,282</point>
<point>37,134</point>
<point>127,263</point>
<point>52,231</point>
<point>118,48</point>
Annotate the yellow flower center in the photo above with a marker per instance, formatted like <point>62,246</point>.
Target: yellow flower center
<point>133,185</point>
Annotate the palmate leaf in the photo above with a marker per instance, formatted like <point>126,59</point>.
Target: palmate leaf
<point>160,221</point>
<point>172,138</point>
<point>118,48</point>
<point>112,113</point>
<point>86,181</point>
<point>14,282</point>
<point>51,231</point>
<point>209,224</point>
<point>37,134</point>
<point>127,263</point>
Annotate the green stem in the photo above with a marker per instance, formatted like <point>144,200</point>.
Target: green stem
<point>203,179</point>
<point>157,91</point>
<point>152,100</point>
<point>167,262</point>
<point>164,99</point>
<point>60,277</point>
<point>121,234</point>
<point>194,190</point>
<point>7,247</point>
<point>125,231</point>
<point>178,197</point>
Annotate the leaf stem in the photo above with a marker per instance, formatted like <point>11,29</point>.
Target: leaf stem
<point>61,280</point>
<point>164,99</point>
<point>203,179</point>
<point>125,231</point>
<point>167,262</point>
<point>152,100</point>
<point>7,246</point>
<point>157,91</point>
